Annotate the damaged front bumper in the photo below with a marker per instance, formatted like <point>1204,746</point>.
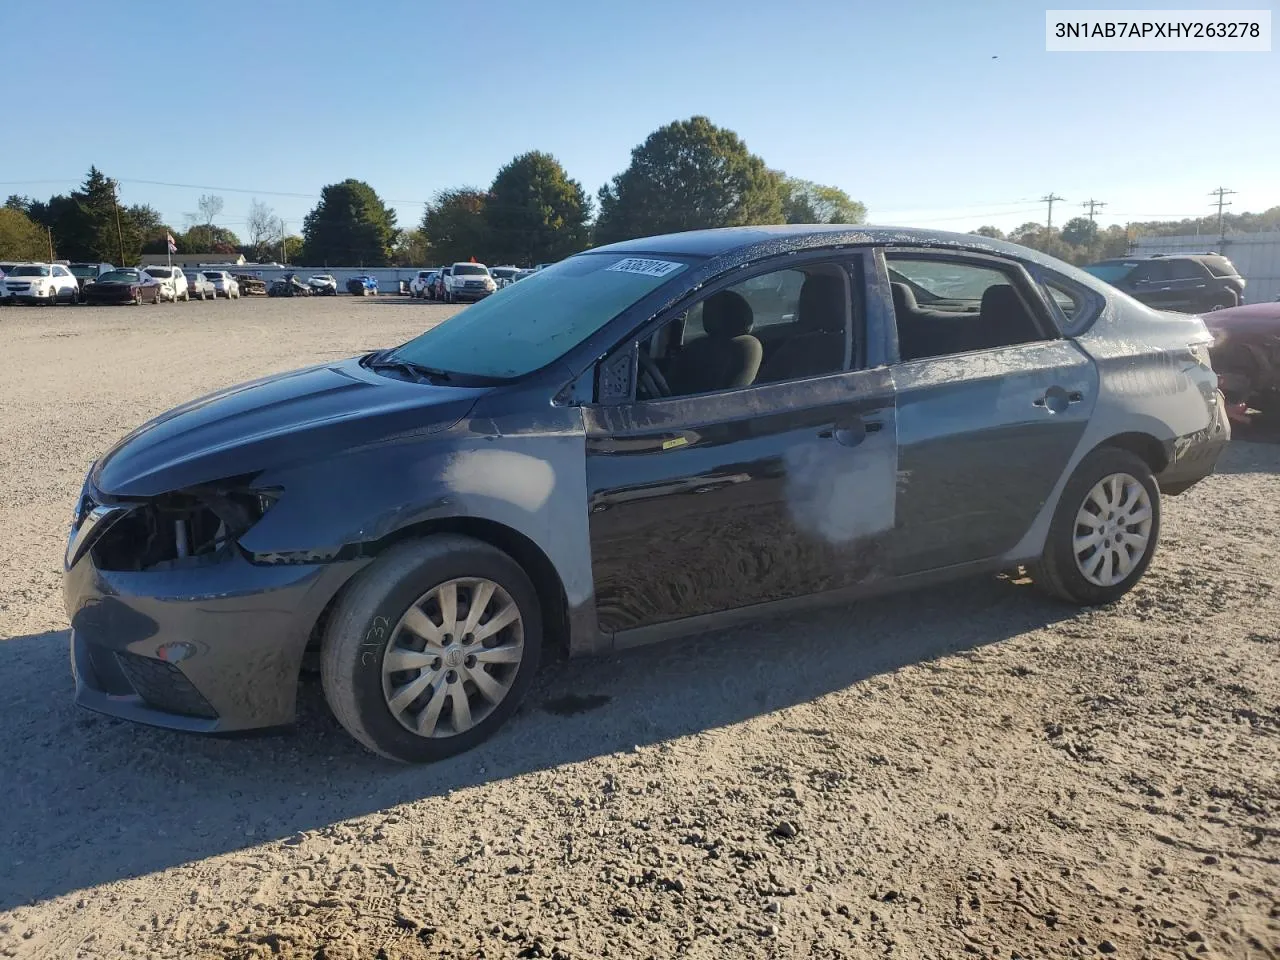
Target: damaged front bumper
<point>202,643</point>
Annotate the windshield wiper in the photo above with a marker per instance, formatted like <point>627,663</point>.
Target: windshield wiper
<point>416,371</point>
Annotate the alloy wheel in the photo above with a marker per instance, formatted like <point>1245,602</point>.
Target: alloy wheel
<point>1112,529</point>
<point>453,657</point>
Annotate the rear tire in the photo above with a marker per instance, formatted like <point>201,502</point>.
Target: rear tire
<point>371,619</point>
<point>1104,531</point>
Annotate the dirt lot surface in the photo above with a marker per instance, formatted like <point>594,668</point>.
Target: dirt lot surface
<point>971,771</point>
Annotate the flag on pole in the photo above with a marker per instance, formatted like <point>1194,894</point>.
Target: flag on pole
<point>173,245</point>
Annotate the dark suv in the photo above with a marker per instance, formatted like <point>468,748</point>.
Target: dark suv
<point>1187,282</point>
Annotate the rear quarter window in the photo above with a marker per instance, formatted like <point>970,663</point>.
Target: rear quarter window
<point>1220,267</point>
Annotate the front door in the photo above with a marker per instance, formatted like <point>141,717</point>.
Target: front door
<point>991,405</point>
<point>782,487</point>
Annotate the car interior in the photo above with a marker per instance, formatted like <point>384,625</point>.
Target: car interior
<point>785,325</point>
<point>943,307</point>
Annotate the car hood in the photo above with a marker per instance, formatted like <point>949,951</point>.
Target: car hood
<point>274,422</point>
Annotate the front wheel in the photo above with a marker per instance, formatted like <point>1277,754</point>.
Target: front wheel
<point>1104,531</point>
<point>432,648</point>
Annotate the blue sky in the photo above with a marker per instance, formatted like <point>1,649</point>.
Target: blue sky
<point>901,104</point>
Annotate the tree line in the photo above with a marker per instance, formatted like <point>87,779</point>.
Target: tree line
<point>689,174</point>
<point>1081,240</point>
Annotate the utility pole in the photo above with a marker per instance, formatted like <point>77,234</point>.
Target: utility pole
<point>119,232</point>
<point>1221,193</point>
<point>49,231</point>
<point>1050,201</point>
<point>282,259</point>
<point>1093,205</point>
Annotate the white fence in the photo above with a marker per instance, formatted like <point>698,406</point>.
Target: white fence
<point>1256,256</point>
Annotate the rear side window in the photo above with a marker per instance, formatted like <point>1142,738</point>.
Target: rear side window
<point>1220,267</point>
<point>944,306</point>
<point>1185,269</point>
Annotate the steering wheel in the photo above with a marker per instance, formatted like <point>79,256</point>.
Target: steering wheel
<point>651,377</point>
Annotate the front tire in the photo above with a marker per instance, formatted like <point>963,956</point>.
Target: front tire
<point>1104,532</point>
<point>432,648</point>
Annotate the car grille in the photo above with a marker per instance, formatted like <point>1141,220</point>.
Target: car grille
<point>164,686</point>
<point>18,287</point>
<point>474,284</point>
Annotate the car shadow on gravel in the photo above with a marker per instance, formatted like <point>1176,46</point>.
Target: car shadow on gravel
<point>89,799</point>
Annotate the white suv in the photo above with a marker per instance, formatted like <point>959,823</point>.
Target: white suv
<point>46,283</point>
<point>468,281</point>
<point>224,284</point>
<point>173,283</point>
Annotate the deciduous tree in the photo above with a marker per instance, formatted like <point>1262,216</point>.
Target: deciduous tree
<point>454,225</point>
<point>534,212</point>
<point>688,175</point>
<point>350,225</point>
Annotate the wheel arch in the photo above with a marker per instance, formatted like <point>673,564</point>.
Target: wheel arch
<point>531,558</point>
<point>1146,447</point>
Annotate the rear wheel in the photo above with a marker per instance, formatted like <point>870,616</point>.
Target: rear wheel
<point>1104,531</point>
<point>432,648</point>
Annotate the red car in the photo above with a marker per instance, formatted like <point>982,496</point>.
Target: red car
<point>1246,356</point>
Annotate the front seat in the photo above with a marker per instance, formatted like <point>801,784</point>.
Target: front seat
<point>727,357</point>
<point>817,346</point>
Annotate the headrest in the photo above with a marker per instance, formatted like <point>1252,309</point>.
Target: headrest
<point>726,314</point>
<point>1000,299</point>
<point>821,306</point>
<point>904,301</point>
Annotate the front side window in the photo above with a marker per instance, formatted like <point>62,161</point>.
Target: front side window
<point>535,322</point>
<point>784,325</point>
<point>945,306</point>
<point>1111,272</point>
<point>1185,270</point>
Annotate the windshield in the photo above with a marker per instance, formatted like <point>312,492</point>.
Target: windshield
<point>1110,272</point>
<point>83,270</point>
<point>30,271</point>
<point>162,272</point>
<point>119,276</point>
<point>470,270</point>
<point>506,273</point>
<point>527,325</point>
<point>213,276</point>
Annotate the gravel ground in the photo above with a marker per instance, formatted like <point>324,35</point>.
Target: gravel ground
<point>971,770</point>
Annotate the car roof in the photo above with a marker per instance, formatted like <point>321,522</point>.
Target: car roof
<point>758,241</point>
<point>1163,256</point>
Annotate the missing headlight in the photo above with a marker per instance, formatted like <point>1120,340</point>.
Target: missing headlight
<point>193,526</point>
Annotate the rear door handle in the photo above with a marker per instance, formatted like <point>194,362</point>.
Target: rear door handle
<point>851,434</point>
<point>1056,399</point>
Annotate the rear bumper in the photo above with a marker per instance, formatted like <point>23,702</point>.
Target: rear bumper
<point>210,648</point>
<point>1192,457</point>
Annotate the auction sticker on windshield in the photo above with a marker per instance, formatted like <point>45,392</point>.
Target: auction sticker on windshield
<point>649,268</point>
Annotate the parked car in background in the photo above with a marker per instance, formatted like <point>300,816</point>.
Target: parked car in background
<point>249,286</point>
<point>1187,283</point>
<point>649,442</point>
<point>1246,356</point>
<point>288,286</point>
<point>199,287</point>
<point>468,282</point>
<point>421,286</point>
<point>173,283</point>
<point>224,284</point>
<point>323,285</point>
<point>502,276</point>
<point>47,284</point>
<point>4,270</point>
<point>86,272</point>
<point>124,285</point>
<point>363,286</point>
<point>438,288</point>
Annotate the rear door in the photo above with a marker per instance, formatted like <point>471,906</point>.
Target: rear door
<point>991,402</point>
<point>1187,286</point>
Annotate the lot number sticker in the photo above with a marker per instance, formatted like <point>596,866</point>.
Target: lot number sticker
<point>649,268</point>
